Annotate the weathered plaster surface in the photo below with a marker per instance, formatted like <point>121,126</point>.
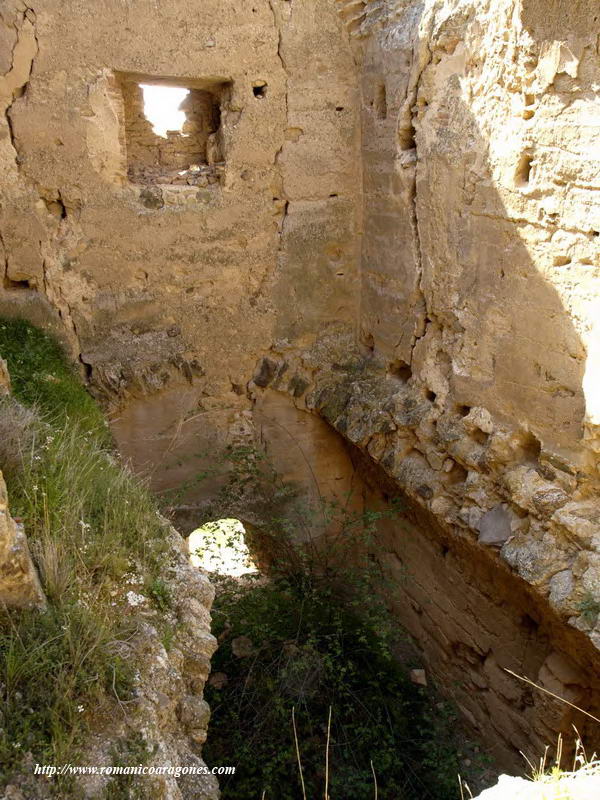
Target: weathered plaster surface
<point>190,290</point>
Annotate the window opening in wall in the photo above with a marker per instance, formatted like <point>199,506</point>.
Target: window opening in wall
<point>173,132</point>
<point>162,108</point>
<point>220,546</point>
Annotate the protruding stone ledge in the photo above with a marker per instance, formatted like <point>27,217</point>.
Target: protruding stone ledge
<point>19,583</point>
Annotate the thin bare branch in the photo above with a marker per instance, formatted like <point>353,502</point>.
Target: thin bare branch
<point>327,756</point>
<point>298,752</point>
<point>552,694</point>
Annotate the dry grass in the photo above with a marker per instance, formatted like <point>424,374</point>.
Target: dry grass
<point>559,783</point>
<point>88,522</point>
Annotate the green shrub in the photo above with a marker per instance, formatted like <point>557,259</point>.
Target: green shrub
<point>320,638</point>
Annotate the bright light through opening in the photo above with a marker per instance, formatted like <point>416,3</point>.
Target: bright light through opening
<point>220,547</point>
<point>161,107</point>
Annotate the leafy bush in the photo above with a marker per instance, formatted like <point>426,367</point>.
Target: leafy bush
<point>316,636</point>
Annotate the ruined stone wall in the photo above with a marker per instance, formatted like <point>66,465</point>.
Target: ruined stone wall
<point>489,289</point>
<point>477,388</point>
<point>490,292</point>
<point>173,292</point>
<point>473,387</point>
<point>483,580</point>
<point>464,361</point>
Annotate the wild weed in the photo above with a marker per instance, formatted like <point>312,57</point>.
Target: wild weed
<point>88,522</point>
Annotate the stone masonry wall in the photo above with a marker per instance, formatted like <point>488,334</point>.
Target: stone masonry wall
<point>478,574</point>
<point>474,387</point>
<point>484,301</point>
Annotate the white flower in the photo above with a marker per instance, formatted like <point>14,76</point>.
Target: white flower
<point>135,599</point>
<point>80,709</point>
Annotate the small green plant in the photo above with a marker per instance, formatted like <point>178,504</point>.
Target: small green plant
<point>160,594</point>
<point>167,636</point>
<point>589,608</point>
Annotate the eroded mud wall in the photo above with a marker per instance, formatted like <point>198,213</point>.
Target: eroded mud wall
<point>169,294</point>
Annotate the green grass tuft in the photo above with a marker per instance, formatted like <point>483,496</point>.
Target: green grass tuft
<point>42,376</point>
<point>90,523</point>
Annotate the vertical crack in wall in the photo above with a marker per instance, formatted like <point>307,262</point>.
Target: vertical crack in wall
<point>14,82</point>
<point>277,22</point>
<point>422,56</point>
<point>5,261</point>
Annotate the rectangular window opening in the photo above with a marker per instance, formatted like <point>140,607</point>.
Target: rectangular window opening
<point>173,132</point>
